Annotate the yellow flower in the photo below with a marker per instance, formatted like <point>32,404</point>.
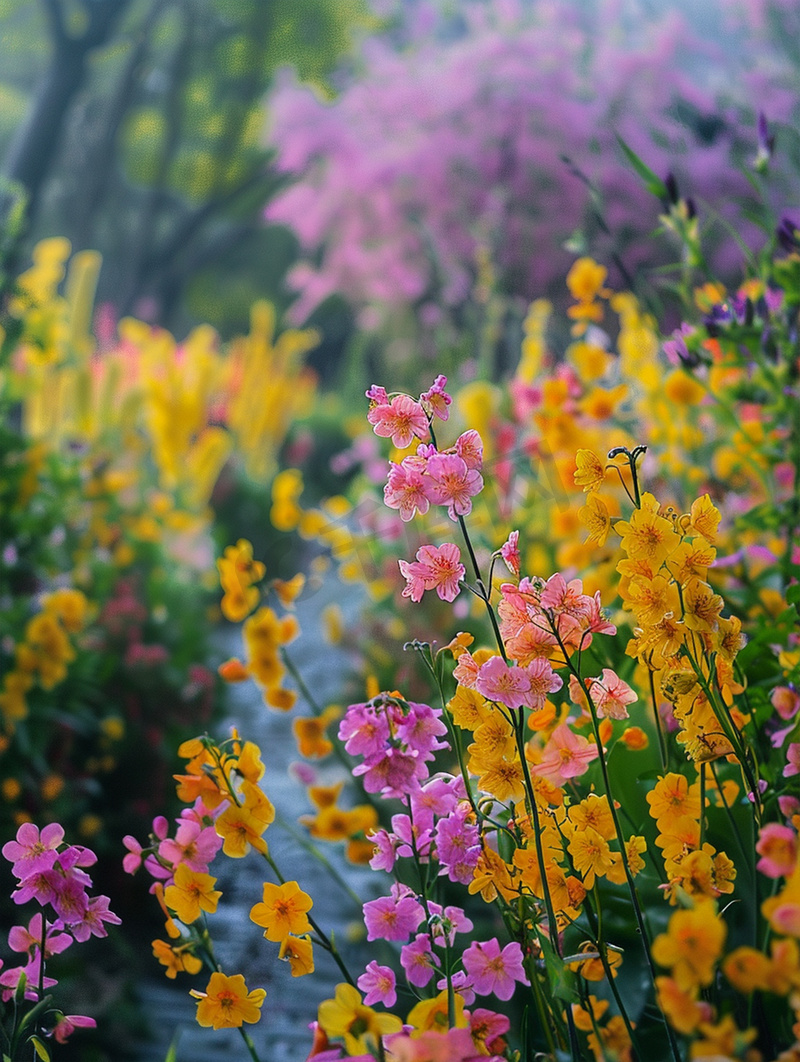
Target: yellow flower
<point>226,1003</point>
<point>191,893</point>
<point>299,953</point>
<point>585,280</point>
<point>431,1015</point>
<point>595,518</point>
<point>310,733</point>
<point>176,960</point>
<point>590,471</point>
<point>345,1017</point>
<point>241,825</point>
<point>692,944</point>
<point>648,536</point>
<point>283,911</point>
<point>680,1007</point>
<point>704,518</point>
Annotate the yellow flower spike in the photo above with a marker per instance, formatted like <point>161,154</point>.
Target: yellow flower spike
<point>283,911</point>
<point>345,1017</point>
<point>226,1002</point>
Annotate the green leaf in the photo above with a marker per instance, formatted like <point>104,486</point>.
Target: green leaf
<point>172,1054</point>
<point>40,1048</point>
<point>652,181</point>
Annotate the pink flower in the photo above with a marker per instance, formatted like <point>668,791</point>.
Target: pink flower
<point>418,960</point>
<point>378,984</point>
<point>388,918</point>
<point>611,695</point>
<point>497,681</point>
<point>405,490</point>
<point>436,568</point>
<point>792,760</point>
<point>785,701</point>
<point>453,483</point>
<point>193,844</point>
<point>458,846</point>
<point>777,846</point>
<point>436,401</point>
<point>466,670</point>
<point>469,447</point>
<point>132,861</point>
<point>30,940</point>
<point>566,755</point>
<point>33,852</point>
<point>402,420</point>
<point>543,680</point>
<point>494,971</point>
<point>93,921</point>
<point>68,1023</point>
<point>509,551</point>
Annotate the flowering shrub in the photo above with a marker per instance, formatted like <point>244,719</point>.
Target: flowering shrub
<point>475,140</point>
<point>54,874</point>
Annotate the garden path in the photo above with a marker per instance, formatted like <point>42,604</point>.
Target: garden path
<point>282,1034</point>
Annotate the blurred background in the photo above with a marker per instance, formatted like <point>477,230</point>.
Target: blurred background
<point>373,166</point>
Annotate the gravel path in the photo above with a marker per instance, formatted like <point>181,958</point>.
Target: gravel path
<point>282,1034</point>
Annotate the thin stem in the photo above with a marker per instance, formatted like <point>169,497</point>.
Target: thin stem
<point>251,1047</point>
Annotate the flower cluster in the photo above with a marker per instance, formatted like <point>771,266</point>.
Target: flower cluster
<point>54,875</point>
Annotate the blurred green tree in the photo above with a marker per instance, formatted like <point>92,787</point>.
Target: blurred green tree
<point>143,138</point>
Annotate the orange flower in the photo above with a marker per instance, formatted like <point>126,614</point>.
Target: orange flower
<point>283,911</point>
<point>226,1003</point>
<point>692,945</point>
<point>191,893</point>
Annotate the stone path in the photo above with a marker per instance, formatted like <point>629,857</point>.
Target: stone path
<point>282,1034</point>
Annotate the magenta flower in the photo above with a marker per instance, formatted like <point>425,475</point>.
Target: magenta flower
<point>93,921</point>
<point>418,960</point>
<point>68,1023</point>
<point>445,922</point>
<point>33,851</point>
<point>30,940</point>
<point>402,420</point>
<point>453,483</point>
<point>385,852</point>
<point>543,680</point>
<point>458,846</point>
<point>498,681</point>
<point>133,860</point>
<point>436,568</point>
<point>792,760</point>
<point>379,985</point>
<point>492,971</point>
<point>388,918</point>
<point>193,844</point>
